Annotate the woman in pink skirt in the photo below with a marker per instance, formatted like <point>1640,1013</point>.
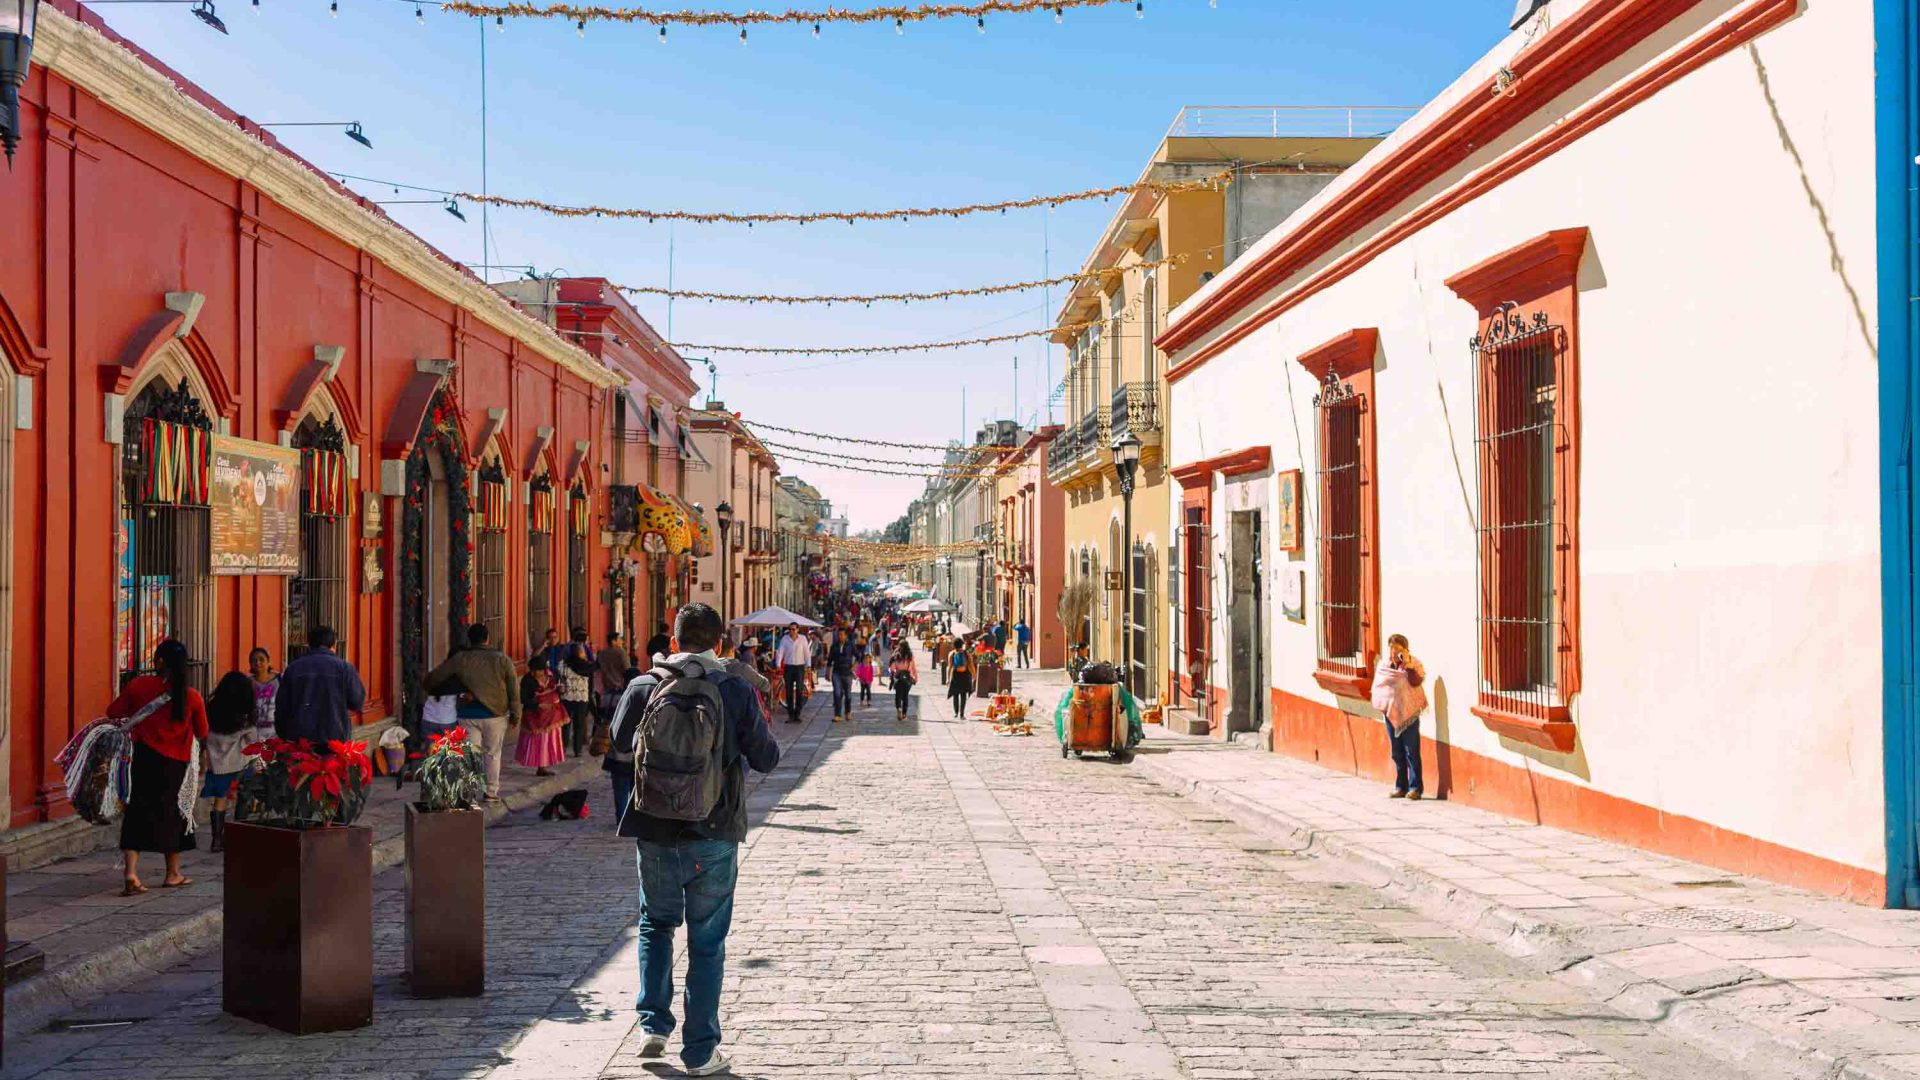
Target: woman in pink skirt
<point>543,717</point>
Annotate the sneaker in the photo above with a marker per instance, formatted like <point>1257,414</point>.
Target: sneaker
<point>718,1063</point>
<point>653,1045</point>
<point>1397,794</point>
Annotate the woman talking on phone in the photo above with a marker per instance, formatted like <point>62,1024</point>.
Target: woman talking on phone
<point>1399,692</point>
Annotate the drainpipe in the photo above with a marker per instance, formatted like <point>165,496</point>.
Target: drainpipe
<point>1897,85</point>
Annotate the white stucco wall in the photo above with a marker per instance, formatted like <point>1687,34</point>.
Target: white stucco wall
<point>1729,495</point>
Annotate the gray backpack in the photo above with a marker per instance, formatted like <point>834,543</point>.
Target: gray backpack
<point>680,748</point>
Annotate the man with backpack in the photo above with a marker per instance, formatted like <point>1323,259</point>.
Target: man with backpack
<point>692,729</point>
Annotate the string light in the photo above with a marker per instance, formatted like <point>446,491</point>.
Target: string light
<point>900,15</point>
<point>1216,182</point>
<point>890,298</point>
<point>866,350</point>
<point>844,438</point>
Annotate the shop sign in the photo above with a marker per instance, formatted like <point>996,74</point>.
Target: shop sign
<point>255,507</point>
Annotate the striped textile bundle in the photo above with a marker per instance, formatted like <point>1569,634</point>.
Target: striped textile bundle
<point>493,506</point>
<point>326,475</point>
<point>540,511</point>
<point>581,513</point>
<point>179,461</point>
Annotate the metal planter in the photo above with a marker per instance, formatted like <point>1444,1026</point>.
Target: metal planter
<point>446,903</point>
<point>297,948</point>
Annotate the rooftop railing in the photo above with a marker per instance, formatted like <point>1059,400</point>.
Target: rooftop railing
<point>1283,121</point>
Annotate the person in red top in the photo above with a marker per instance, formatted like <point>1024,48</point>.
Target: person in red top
<point>165,741</point>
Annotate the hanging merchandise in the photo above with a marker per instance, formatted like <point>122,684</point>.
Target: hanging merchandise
<point>581,514</point>
<point>327,485</point>
<point>493,499</point>
<point>179,460</point>
<point>540,506</point>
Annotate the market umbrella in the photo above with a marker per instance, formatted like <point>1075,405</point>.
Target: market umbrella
<point>929,607</point>
<point>774,616</point>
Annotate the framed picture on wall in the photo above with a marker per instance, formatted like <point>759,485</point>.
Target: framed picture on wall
<point>1289,516</point>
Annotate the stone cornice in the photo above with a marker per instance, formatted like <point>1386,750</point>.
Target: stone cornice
<point>125,83</point>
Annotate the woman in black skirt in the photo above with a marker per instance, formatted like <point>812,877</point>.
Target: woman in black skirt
<point>165,740</point>
<point>960,681</point>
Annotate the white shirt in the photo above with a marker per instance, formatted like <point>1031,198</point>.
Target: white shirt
<point>795,651</point>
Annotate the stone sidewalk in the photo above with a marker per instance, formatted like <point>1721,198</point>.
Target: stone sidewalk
<point>1798,984</point>
<point>96,940</point>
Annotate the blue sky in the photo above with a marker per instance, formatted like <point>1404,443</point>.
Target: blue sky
<point>862,118</point>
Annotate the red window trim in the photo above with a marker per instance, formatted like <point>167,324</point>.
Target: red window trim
<point>1541,275</point>
<point>1351,357</point>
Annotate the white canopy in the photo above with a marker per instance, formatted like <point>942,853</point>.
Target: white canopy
<point>928,607</point>
<point>774,616</point>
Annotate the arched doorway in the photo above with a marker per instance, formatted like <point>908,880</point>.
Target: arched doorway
<point>321,594</point>
<point>164,543</point>
<point>436,551</point>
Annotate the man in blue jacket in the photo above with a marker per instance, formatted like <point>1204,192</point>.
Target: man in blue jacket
<point>317,692</point>
<point>688,869</point>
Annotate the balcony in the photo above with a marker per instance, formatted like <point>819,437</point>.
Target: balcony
<point>1136,408</point>
<point>1288,121</point>
<point>1063,450</point>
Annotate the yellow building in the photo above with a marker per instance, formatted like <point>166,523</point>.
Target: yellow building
<point>1157,251</point>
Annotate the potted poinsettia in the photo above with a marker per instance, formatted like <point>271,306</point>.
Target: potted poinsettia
<point>447,871</point>
<point>297,947</point>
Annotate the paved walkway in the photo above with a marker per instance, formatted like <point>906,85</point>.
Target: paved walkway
<point>95,939</point>
<point>925,899</point>
<point>1814,986</point>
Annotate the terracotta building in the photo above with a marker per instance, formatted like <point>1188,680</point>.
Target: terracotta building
<point>240,401</point>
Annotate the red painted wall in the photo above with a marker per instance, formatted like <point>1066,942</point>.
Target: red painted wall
<point>98,219</point>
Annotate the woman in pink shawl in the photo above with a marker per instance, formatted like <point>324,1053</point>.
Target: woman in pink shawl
<point>543,715</point>
<point>1399,692</point>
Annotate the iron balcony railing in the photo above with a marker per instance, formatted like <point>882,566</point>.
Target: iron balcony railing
<point>1282,121</point>
<point>1063,450</point>
<point>1136,408</point>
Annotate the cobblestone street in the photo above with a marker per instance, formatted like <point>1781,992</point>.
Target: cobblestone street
<point>927,899</point>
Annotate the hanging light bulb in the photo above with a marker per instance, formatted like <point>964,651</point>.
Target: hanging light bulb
<point>743,35</point>
<point>419,15</point>
<point>500,23</point>
<point>333,9</point>
<point>1059,14</point>
<point>981,22</point>
<point>816,31</point>
<point>900,26</point>
<point>1139,9</point>
<point>580,28</point>
<point>663,34</point>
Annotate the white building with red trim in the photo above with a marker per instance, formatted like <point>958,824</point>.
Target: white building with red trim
<point>1571,380</point>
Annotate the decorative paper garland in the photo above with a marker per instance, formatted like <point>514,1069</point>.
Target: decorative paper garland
<point>1212,183</point>
<point>899,16</point>
<point>864,350</point>
<point>892,298</point>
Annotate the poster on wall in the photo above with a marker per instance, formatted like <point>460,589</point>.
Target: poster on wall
<point>256,507</point>
<point>1293,593</point>
<point>1290,511</point>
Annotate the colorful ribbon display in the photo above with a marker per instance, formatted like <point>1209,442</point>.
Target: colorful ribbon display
<point>328,490</point>
<point>493,505</point>
<point>540,510</point>
<point>179,463</point>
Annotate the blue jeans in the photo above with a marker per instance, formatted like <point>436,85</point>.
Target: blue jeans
<point>691,882</point>
<point>1406,757</point>
<point>622,793</point>
<point>842,694</point>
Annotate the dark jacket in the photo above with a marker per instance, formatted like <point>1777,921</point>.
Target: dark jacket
<point>749,745</point>
<point>317,692</point>
<point>841,658</point>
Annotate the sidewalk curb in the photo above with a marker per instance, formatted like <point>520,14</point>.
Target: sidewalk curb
<point>77,983</point>
<point>1718,1032</point>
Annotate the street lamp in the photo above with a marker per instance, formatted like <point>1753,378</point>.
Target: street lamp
<point>1126,462</point>
<point>16,49</point>
<point>724,515</point>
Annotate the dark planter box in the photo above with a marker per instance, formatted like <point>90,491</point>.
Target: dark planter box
<point>297,951</point>
<point>446,903</point>
<point>986,681</point>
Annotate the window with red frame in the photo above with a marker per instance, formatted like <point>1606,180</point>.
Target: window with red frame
<point>1348,632</point>
<point>1527,447</point>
